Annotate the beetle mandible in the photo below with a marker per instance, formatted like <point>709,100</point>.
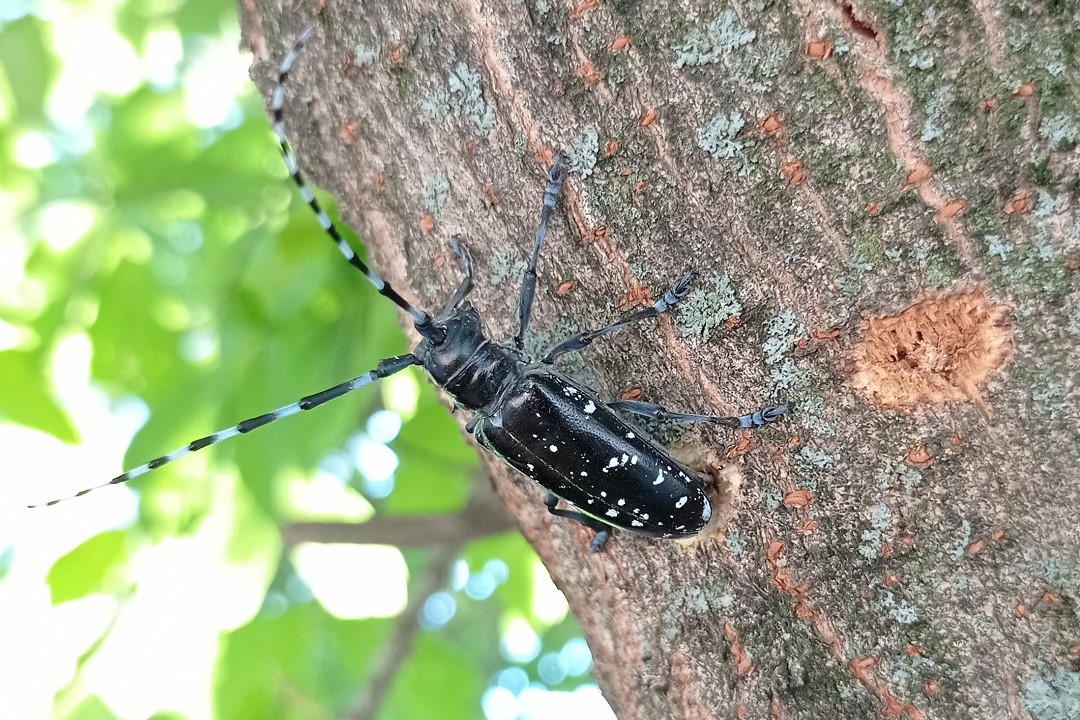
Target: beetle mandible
<point>536,419</point>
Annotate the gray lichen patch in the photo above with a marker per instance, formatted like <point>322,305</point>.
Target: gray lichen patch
<point>1054,694</point>
<point>718,138</point>
<point>703,47</point>
<point>705,309</point>
<point>940,349</point>
<point>435,193</point>
<point>582,153</point>
<point>462,97</point>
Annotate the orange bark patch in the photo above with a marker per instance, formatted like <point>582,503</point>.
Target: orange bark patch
<point>427,223</point>
<point>649,117</point>
<point>941,349</point>
<point>740,447</point>
<point>818,49</point>
<point>771,125</point>
<point>588,73</point>
<point>1024,91</point>
<point>564,288</point>
<point>918,175</point>
<point>620,43</point>
<point>792,172</point>
<point>798,498</point>
<point>950,210</point>
<point>738,653</point>
<point>919,455</point>
<point>610,148</point>
<point>583,7</point>
<point>830,334</point>
<point>891,706</point>
<point>1020,203</point>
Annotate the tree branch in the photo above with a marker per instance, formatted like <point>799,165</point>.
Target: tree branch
<point>399,646</point>
<point>484,515</point>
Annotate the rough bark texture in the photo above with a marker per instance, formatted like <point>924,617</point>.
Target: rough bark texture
<point>906,545</point>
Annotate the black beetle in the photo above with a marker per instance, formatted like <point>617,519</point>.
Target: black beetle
<point>535,418</point>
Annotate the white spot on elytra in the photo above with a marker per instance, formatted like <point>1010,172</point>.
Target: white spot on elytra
<point>590,407</point>
<point>633,460</point>
<point>637,523</point>
<point>623,459</point>
<point>645,516</point>
<point>530,466</point>
<point>584,474</point>
<point>681,501</point>
<point>612,513</point>
<point>630,436</point>
<point>659,478</point>
<point>552,448</point>
<point>603,493</point>
<point>613,462</point>
<point>622,501</point>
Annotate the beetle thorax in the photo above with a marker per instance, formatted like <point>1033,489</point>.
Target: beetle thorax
<point>464,362</point>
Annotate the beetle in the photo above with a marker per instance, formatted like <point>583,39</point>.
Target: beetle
<point>535,418</point>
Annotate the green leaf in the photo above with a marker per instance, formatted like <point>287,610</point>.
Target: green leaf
<point>436,683</point>
<point>302,665</point>
<point>83,570</point>
<point>91,708</point>
<point>26,399</point>
<point>29,68</point>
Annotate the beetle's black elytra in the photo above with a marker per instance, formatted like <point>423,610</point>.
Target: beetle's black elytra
<point>536,419</point>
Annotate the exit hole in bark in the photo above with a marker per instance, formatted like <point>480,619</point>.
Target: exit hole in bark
<point>940,349</point>
<point>722,483</point>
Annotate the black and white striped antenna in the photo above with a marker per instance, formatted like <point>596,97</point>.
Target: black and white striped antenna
<point>421,319</point>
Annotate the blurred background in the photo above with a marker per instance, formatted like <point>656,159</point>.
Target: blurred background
<point>160,280</point>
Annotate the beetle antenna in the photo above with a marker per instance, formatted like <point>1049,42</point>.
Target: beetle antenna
<point>421,318</point>
<point>385,368</point>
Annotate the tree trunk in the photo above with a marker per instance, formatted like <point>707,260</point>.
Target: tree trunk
<point>879,202</point>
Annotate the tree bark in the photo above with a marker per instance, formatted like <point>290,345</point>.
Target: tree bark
<point>879,200</point>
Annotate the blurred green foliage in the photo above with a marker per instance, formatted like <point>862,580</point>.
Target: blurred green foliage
<point>206,290</point>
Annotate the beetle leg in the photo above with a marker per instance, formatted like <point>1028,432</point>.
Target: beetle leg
<point>466,284</point>
<point>756,419</point>
<point>600,540</point>
<point>556,175</point>
<point>579,341</point>
<point>603,532</point>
